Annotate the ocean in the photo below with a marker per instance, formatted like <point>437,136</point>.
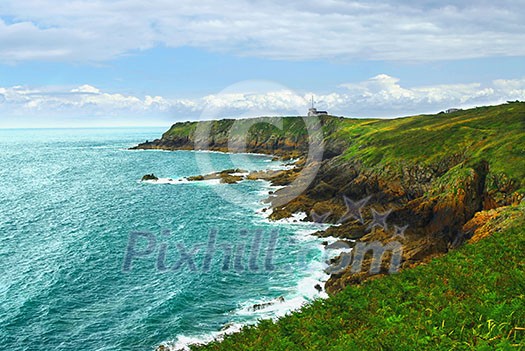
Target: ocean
<point>91,258</point>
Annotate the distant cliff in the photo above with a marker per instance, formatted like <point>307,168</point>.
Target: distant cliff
<point>433,172</point>
<point>288,137</point>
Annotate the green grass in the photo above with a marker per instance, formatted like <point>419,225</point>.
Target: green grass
<point>469,299</point>
<point>181,129</point>
<point>495,134</point>
<point>262,128</point>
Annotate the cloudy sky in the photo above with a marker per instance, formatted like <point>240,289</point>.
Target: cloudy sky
<point>134,62</point>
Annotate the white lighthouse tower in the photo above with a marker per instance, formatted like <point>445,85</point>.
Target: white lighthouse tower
<point>312,111</point>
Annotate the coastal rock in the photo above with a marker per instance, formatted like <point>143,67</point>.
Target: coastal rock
<point>149,177</point>
<point>323,191</point>
<point>264,175</point>
<point>228,176</point>
<point>260,306</point>
<point>230,179</point>
<point>195,178</point>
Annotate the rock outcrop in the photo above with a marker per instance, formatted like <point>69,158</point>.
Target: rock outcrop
<point>149,177</point>
<point>287,137</point>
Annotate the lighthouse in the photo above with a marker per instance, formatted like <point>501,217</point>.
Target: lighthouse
<point>312,111</point>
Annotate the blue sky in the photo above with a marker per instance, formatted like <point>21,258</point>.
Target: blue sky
<point>95,63</point>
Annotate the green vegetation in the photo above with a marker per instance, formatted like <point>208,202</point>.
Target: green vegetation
<point>470,299</point>
<point>181,129</point>
<point>261,126</point>
<point>495,134</point>
<point>440,171</point>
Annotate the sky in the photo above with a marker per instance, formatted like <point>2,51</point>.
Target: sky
<point>152,63</point>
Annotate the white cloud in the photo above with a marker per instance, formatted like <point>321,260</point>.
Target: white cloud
<point>379,96</point>
<point>383,30</point>
<point>384,95</point>
<point>86,89</point>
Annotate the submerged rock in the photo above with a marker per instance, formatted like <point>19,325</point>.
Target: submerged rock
<point>227,326</point>
<point>260,306</point>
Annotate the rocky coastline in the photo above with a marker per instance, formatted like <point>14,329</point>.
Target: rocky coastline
<point>431,199</point>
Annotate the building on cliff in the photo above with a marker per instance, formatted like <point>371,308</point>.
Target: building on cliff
<point>312,111</point>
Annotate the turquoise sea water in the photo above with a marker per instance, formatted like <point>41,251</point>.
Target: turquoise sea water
<point>71,204</point>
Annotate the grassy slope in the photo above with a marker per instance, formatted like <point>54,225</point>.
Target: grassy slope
<point>291,126</point>
<point>469,299</point>
<point>495,134</point>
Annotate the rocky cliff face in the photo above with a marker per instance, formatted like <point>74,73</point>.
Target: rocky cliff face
<point>431,203</point>
<point>432,216</point>
<point>427,176</point>
<point>288,137</point>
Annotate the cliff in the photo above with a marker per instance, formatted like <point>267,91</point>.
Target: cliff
<point>283,136</point>
<point>434,173</point>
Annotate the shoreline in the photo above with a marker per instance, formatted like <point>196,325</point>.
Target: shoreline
<point>132,149</point>
<point>275,308</point>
